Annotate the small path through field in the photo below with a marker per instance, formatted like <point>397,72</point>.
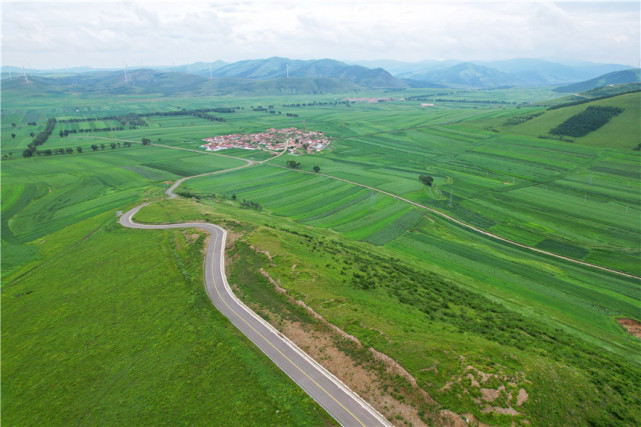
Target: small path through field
<point>469,226</point>
<point>430,209</point>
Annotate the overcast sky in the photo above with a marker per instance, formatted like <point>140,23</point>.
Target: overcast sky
<point>55,34</point>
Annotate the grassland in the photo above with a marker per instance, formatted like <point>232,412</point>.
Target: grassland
<point>93,332</point>
<point>424,291</point>
<point>399,304</point>
<point>116,329</point>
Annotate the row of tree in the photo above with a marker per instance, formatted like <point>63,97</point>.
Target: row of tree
<point>50,152</point>
<point>209,117</point>
<point>66,132</point>
<point>40,139</point>
<point>316,103</point>
<point>113,145</point>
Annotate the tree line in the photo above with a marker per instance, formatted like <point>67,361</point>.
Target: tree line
<point>69,150</point>
<point>40,139</point>
<point>316,103</point>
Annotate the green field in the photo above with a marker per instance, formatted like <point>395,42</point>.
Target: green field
<point>416,287</point>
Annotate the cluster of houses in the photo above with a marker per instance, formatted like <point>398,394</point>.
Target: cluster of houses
<point>373,100</point>
<point>275,140</point>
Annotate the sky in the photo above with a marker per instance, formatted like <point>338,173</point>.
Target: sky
<point>60,34</point>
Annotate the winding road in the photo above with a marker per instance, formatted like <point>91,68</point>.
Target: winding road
<point>336,398</point>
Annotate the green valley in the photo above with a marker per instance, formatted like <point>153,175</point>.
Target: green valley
<point>480,328</point>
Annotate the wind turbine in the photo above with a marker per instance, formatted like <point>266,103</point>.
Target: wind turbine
<point>127,76</point>
<point>26,79</point>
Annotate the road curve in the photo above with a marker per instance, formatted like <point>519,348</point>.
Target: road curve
<point>337,399</point>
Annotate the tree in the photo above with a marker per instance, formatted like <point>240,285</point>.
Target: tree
<point>94,147</point>
<point>32,134</point>
<point>233,196</point>
<point>79,149</point>
<point>13,135</point>
<point>426,180</point>
<point>316,169</point>
<point>102,146</point>
<point>13,125</point>
<point>293,164</point>
<point>27,153</point>
<point>112,145</point>
<point>69,150</point>
<point>146,141</point>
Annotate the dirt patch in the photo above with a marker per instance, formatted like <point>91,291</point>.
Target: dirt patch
<point>310,310</point>
<point>522,397</point>
<point>231,238</point>
<point>489,394</point>
<point>190,237</point>
<point>505,411</point>
<point>632,326</point>
<point>258,251</point>
<point>320,344</point>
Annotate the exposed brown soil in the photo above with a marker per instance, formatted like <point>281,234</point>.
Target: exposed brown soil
<point>321,346</point>
<point>522,397</point>
<point>632,326</point>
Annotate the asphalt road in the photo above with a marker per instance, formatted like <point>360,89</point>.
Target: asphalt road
<point>336,398</point>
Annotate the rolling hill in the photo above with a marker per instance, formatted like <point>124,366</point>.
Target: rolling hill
<point>271,68</point>
<point>466,74</point>
<point>615,78</point>
<point>622,132</point>
<point>167,83</point>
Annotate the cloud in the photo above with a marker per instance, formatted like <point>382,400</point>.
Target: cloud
<point>54,34</point>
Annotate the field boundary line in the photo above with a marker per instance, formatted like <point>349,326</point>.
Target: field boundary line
<point>469,226</point>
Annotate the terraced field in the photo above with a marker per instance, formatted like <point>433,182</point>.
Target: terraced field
<point>388,272</point>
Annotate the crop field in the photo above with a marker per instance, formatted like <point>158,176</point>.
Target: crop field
<point>392,274</point>
<point>347,283</point>
<point>43,195</point>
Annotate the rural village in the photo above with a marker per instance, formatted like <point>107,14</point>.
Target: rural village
<point>276,140</point>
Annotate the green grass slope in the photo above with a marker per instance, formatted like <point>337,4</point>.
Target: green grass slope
<point>610,79</point>
<point>415,309</point>
<point>115,328</point>
<point>622,132</point>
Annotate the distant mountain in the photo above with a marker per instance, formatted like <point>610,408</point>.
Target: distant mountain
<point>402,69</point>
<point>522,71</point>
<point>615,78</point>
<point>147,81</point>
<point>539,72</point>
<point>19,71</point>
<point>112,82</point>
<point>359,74</point>
<point>271,68</point>
<point>204,69</point>
<point>466,74</point>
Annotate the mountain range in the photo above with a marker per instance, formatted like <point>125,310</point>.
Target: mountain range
<point>281,75</point>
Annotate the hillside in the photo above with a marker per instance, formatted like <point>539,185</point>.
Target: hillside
<point>466,74</point>
<point>622,131</point>
<point>264,69</point>
<point>168,83</point>
<point>615,78</point>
